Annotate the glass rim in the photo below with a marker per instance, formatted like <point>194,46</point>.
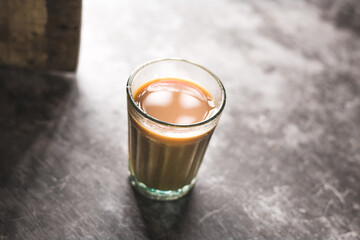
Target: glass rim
<point>144,114</point>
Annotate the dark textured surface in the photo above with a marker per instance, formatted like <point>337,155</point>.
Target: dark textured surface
<point>284,162</point>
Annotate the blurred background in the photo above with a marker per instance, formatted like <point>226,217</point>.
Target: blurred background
<point>284,162</point>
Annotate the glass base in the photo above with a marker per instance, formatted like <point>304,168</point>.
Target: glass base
<point>163,195</point>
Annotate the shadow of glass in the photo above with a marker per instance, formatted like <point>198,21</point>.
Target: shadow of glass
<point>30,104</point>
<point>163,219</point>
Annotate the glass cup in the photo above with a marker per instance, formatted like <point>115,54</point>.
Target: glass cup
<point>164,158</point>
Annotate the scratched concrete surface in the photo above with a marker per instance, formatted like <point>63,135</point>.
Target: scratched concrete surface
<point>284,162</point>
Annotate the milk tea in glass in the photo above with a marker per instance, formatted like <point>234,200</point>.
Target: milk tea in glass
<point>173,108</point>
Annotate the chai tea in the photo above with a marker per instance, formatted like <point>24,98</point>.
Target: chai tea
<point>160,161</point>
<point>173,108</point>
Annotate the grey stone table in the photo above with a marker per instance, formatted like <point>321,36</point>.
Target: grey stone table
<point>284,162</point>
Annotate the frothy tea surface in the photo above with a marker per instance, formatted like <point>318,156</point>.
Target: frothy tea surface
<point>174,101</point>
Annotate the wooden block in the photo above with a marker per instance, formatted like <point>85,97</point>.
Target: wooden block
<point>42,34</point>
